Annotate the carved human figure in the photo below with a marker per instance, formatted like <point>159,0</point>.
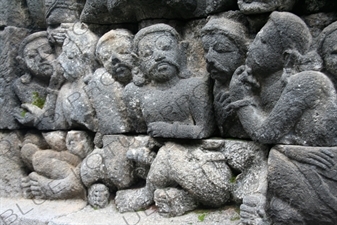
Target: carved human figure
<point>279,104</point>
<point>327,47</point>
<point>169,105</point>
<point>63,11</point>
<point>70,106</point>
<point>113,166</point>
<point>56,171</point>
<point>105,87</point>
<point>200,170</point>
<point>265,6</point>
<point>37,58</point>
<point>225,43</point>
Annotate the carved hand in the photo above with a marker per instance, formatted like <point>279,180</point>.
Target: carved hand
<point>160,129</point>
<point>320,157</point>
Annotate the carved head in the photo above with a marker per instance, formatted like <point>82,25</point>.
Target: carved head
<point>79,143</point>
<point>327,48</point>
<point>98,196</point>
<point>78,52</point>
<point>265,6</point>
<point>113,50</point>
<point>225,43</point>
<point>284,32</point>
<point>37,54</point>
<point>159,52</point>
<point>63,11</point>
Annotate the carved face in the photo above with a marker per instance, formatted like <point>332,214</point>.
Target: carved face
<point>38,56</point>
<point>159,56</point>
<point>77,143</point>
<point>330,53</point>
<point>222,56</point>
<point>57,34</point>
<point>71,59</point>
<point>115,55</point>
<point>265,53</point>
<point>98,195</point>
<point>264,6</point>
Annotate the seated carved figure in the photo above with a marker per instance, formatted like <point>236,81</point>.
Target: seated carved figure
<point>169,105</point>
<point>279,104</point>
<point>105,87</point>
<point>225,43</point>
<point>70,107</point>
<point>56,171</point>
<point>37,57</point>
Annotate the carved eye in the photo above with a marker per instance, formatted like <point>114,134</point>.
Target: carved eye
<point>221,48</point>
<point>147,53</point>
<point>164,43</point>
<point>32,55</point>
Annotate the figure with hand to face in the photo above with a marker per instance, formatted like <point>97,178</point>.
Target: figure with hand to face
<point>282,100</point>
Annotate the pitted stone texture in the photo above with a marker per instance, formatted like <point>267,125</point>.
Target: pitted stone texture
<point>113,165</point>
<point>10,39</point>
<point>12,168</point>
<point>126,11</point>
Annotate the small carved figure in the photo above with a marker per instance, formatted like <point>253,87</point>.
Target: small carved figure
<point>225,43</point>
<point>70,106</point>
<point>63,11</point>
<point>56,171</point>
<point>278,103</point>
<point>118,165</point>
<point>37,57</point>
<point>105,87</point>
<point>169,105</point>
<point>265,6</point>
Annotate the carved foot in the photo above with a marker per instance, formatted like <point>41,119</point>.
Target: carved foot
<point>252,210</point>
<point>134,199</point>
<point>173,202</point>
<point>98,196</point>
<point>36,185</point>
<point>26,190</point>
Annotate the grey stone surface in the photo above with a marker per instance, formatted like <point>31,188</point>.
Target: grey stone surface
<point>14,13</point>
<point>262,6</point>
<point>301,185</point>
<point>12,168</point>
<point>39,212</point>
<point>10,39</point>
<point>128,11</point>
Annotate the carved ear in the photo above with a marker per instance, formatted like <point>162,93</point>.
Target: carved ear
<point>290,57</point>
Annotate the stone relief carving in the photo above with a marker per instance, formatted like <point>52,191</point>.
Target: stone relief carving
<point>225,44</point>
<point>171,105</point>
<point>270,87</point>
<point>105,87</point>
<point>55,171</point>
